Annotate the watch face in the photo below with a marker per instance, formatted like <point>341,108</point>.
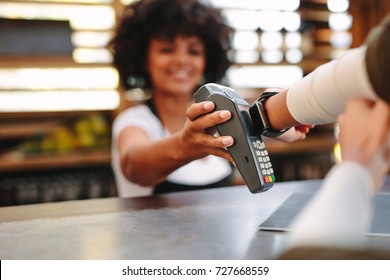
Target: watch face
<point>260,118</point>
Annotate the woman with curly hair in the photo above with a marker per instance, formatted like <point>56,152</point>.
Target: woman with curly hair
<point>168,48</point>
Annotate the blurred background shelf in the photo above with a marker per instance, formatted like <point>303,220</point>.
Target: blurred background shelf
<point>13,161</point>
<point>25,128</point>
<point>322,143</point>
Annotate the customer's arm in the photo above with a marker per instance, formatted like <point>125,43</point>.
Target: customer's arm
<point>321,96</point>
<point>340,213</point>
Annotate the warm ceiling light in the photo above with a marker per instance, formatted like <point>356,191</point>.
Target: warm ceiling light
<point>264,76</point>
<point>293,56</point>
<point>342,40</point>
<point>338,6</point>
<point>97,17</point>
<point>58,78</point>
<point>293,40</point>
<point>272,56</point>
<point>271,40</point>
<point>284,5</point>
<point>127,2</point>
<point>86,55</point>
<point>340,21</point>
<point>291,21</point>
<point>91,39</point>
<point>242,19</point>
<point>79,1</point>
<point>244,56</point>
<point>50,101</point>
<point>270,20</point>
<point>245,40</point>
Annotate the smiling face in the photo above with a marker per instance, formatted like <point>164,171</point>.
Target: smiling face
<point>176,66</point>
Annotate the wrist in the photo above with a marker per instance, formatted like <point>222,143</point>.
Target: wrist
<point>184,150</point>
<point>260,118</point>
<point>278,114</point>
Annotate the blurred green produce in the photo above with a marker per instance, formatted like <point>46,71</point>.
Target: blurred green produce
<point>89,132</point>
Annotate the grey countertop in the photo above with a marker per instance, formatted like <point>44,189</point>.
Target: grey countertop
<point>208,224</point>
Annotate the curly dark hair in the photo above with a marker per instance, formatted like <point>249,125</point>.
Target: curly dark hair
<point>148,19</point>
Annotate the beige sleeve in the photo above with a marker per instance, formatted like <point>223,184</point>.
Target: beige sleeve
<point>322,95</point>
<point>362,72</point>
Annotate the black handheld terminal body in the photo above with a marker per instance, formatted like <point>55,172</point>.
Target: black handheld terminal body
<point>248,151</point>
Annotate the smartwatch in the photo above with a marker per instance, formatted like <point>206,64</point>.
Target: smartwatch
<point>259,117</point>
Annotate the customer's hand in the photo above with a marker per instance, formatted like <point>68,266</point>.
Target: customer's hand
<point>365,137</point>
<point>295,133</point>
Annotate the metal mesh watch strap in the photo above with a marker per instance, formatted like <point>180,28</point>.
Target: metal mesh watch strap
<point>259,117</point>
